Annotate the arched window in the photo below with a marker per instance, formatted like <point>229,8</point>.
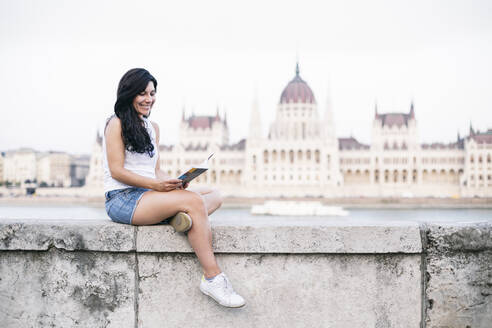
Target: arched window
<point>274,156</point>
<point>395,176</point>
<point>308,155</point>
<point>282,155</point>
<point>480,159</point>
<point>299,155</point>
<point>404,145</point>
<point>386,145</point>
<point>471,159</point>
<point>291,156</point>
<point>254,159</point>
<point>395,145</point>
<point>265,156</point>
<point>316,156</point>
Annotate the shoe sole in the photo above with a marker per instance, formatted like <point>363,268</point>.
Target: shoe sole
<point>229,306</point>
<point>181,222</point>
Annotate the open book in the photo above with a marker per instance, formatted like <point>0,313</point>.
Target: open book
<point>195,171</point>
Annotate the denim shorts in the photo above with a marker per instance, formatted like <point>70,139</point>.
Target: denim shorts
<point>121,203</point>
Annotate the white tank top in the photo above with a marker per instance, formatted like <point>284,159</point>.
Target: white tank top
<point>141,164</point>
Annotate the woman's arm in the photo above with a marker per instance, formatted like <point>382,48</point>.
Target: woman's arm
<point>115,150</point>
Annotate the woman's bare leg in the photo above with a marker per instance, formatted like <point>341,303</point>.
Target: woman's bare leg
<point>156,206</point>
<point>211,197</point>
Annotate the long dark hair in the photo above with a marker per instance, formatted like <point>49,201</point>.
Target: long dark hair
<point>135,135</point>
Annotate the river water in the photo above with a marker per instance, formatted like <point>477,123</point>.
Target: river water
<point>242,216</point>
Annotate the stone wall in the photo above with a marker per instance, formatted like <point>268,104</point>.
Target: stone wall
<point>102,274</point>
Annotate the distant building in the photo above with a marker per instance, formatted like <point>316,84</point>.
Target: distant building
<point>94,178</point>
<point>2,160</point>
<point>20,166</point>
<point>53,169</point>
<point>47,169</point>
<point>477,176</point>
<point>79,169</point>
<point>301,156</point>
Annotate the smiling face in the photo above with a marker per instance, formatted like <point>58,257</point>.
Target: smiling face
<point>144,101</point>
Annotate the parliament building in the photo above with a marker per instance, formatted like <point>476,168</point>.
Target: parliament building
<point>302,157</point>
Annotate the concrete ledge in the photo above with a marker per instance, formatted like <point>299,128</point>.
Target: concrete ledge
<point>459,237</point>
<point>458,270</point>
<point>40,235</point>
<point>104,235</point>
<point>336,239</point>
<point>103,274</point>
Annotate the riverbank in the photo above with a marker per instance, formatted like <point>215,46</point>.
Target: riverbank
<point>237,202</point>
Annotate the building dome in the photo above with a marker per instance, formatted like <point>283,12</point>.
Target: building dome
<point>297,91</point>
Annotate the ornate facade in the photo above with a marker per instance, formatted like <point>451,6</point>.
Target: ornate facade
<point>301,156</point>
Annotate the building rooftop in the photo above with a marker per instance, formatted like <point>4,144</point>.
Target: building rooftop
<point>351,144</point>
<point>297,91</point>
<point>398,119</point>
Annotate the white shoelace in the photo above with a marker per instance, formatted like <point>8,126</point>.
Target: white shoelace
<point>227,287</point>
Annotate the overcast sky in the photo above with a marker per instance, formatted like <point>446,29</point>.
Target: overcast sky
<point>60,63</point>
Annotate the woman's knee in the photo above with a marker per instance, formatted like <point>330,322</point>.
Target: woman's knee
<point>218,198</point>
<point>194,202</point>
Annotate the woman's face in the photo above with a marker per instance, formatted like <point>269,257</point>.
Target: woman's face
<point>144,101</point>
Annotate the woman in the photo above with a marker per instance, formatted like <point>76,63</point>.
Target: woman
<point>138,192</point>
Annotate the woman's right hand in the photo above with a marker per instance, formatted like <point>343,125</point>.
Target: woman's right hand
<point>166,184</point>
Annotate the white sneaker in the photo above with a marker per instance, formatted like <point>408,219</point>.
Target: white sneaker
<point>220,289</point>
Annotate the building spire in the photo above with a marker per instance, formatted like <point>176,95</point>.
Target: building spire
<point>328,129</point>
<point>183,114</point>
<point>297,68</point>
<point>472,133</point>
<point>376,108</point>
<point>255,120</point>
<point>412,111</point>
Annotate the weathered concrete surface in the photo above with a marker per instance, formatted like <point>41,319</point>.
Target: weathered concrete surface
<point>287,290</point>
<point>97,235</point>
<point>459,276</point>
<point>336,238</point>
<point>66,289</point>
<point>82,274</point>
